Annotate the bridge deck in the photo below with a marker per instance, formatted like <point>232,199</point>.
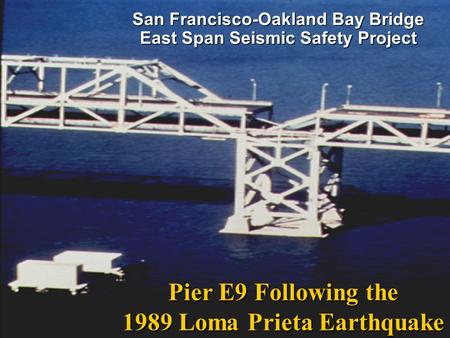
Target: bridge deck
<point>136,96</point>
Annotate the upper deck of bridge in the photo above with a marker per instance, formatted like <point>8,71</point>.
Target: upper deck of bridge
<point>97,93</point>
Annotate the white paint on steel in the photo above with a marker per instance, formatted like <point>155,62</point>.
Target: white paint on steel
<point>106,102</point>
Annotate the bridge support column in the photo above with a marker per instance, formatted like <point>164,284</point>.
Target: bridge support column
<point>312,227</point>
<point>237,223</point>
<point>330,214</point>
<point>284,187</point>
<point>277,188</point>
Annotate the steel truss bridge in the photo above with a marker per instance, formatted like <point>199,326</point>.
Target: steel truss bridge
<point>288,174</point>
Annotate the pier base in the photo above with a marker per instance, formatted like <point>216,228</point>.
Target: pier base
<point>236,225</point>
<point>301,228</point>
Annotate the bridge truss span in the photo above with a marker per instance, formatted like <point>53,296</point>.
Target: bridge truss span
<point>116,95</point>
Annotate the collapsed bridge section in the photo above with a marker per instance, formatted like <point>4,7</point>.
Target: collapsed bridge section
<point>288,174</point>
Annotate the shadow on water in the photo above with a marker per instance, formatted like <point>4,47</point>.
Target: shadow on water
<point>360,207</point>
<point>369,209</point>
<point>55,183</point>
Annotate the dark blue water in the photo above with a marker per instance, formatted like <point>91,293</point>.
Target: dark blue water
<point>401,219</point>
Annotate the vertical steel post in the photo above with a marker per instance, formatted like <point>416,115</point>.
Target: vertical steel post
<point>439,94</point>
<point>4,92</point>
<point>369,132</point>
<point>314,176</point>
<point>239,191</point>
<point>41,78</point>
<point>140,93</point>
<point>323,95</point>
<point>62,90</point>
<point>122,100</point>
<point>181,121</point>
<point>313,227</point>
<point>243,123</point>
<point>424,133</point>
<point>156,72</point>
<point>97,75</point>
<point>237,223</point>
<point>253,81</point>
<point>349,92</point>
<point>338,162</point>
